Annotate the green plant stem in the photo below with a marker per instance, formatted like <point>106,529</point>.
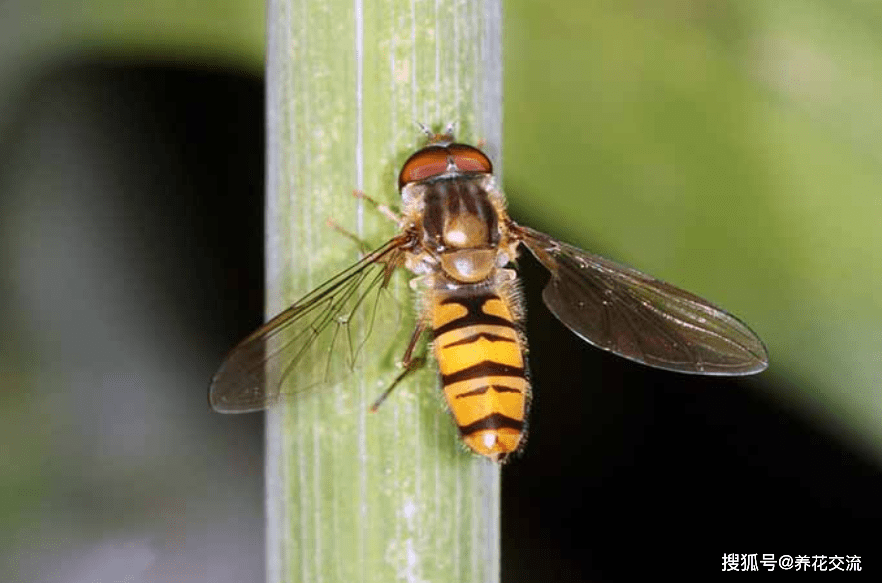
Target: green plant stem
<point>354,496</point>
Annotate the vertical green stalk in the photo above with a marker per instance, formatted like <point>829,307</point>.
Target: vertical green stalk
<point>354,496</point>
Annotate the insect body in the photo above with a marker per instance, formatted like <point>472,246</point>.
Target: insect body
<point>457,238</point>
<point>480,355</point>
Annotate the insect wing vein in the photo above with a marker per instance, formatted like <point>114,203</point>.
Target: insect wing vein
<point>641,318</point>
<point>277,354</point>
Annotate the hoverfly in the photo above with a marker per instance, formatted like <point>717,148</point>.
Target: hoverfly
<point>457,238</point>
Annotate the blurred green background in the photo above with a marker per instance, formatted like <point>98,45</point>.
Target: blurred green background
<point>732,147</point>
<point>728,147</point>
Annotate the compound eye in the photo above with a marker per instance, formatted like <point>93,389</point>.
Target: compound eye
<point>428,162</point>
<point>470,159</point>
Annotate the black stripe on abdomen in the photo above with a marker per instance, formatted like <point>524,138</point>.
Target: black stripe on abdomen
<point>485,388</point>
<point>487,368</point>
<point>475,314</point>
<point>478,336</point>
<point>494,421</point>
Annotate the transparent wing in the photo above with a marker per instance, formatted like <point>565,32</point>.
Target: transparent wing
<point>636,316</point>
<point>251,376</point>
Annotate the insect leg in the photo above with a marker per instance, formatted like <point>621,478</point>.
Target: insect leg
<point>415,337</point>
<point>362,244</point>
<point>386,211</point>
<point>409,362</point>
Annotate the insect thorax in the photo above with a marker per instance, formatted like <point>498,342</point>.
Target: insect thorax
<point>460,222</point>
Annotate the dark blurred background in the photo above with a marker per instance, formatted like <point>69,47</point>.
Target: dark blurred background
<point>729,148</point>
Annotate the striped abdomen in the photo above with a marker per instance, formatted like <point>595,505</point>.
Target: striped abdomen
<point>481,358</point>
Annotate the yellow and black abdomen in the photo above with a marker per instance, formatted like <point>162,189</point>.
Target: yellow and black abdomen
<point>480,355</point>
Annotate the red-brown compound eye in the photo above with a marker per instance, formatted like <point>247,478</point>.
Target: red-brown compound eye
<point>469,158</point>
<point>434,160</point>
<point>428,162</point>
